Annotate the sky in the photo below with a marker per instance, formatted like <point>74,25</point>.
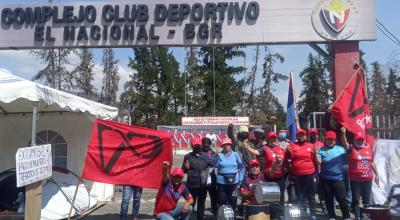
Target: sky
<point>22,64</point>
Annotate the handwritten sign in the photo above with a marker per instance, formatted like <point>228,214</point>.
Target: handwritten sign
<point>33,164</point>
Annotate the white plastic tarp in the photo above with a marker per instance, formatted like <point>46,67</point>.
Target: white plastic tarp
<point>387,160</point>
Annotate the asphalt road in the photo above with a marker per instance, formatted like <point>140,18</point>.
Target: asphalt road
<point>110,211</point>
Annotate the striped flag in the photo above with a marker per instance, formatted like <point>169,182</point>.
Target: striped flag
<point>292,119</point>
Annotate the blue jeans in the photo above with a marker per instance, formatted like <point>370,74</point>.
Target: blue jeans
<point>127,192</point>
<point>177,213</point>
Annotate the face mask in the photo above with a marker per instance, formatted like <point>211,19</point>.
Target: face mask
<point>360,145</point>
<point>282,135</point>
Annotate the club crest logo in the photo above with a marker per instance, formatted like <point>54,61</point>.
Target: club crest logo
<point>336,15</point>
<point>335,19</point>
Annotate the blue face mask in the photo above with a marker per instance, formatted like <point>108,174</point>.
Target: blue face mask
<point>282,135</point>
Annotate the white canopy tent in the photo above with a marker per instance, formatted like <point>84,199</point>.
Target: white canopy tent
<point>63,119</point>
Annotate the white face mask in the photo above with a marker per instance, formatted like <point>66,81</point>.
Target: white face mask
<point>360,145</point>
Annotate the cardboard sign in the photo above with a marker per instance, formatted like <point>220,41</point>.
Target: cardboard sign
<point>33,164</point>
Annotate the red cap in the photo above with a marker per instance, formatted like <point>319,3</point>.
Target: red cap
<point>301,131</point>
<point>226,141</point>
<point>196,141</point>
<point>330,135</point>
<point>359,136</point>
<point>178,172</point>
<point>272,134</point>
<point>254,162</point>
<point>313,130</point>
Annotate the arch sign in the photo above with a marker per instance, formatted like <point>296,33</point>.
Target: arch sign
<point>185,23</point>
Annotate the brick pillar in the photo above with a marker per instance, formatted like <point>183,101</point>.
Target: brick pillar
<point>346,54</point>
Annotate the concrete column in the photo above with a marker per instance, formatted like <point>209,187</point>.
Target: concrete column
<point>346,54</point>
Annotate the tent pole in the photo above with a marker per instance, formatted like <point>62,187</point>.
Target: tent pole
<point>33,192</point>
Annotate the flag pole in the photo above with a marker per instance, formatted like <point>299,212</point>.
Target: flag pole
<point>341,93</point>
<point>79,180</point>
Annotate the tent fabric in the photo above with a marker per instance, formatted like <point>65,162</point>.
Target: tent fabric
<point>16,91</point>
<point>387,160</point>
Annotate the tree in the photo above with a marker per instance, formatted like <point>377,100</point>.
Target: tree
<point>111,77</point>
<point>228,91</point>
<point>315,95</point>
<point>54,74</point>
<point>393,92</point>
<point>84,75</point>
<point>251,81</point>
<point>194,84</point>
<point>154,94</point>
<point>378,101</point>
<point>267,104</point>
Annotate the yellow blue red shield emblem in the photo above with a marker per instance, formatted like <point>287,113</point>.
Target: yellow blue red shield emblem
<point>336,15</point>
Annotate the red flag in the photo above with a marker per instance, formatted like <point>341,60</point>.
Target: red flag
<point>126,155</point>
<point>351,108</point>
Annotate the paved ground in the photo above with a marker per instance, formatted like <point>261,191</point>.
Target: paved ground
<point>110,211</point>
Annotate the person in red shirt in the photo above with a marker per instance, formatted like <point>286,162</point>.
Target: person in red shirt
<point>274,157</point>
<point>169,194</point>
<point>313,139</point>
<point>361,170</point>
<point>247,188</point>
<point>302,169</point>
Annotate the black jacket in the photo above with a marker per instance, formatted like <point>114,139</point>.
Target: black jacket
<point>198,172</point>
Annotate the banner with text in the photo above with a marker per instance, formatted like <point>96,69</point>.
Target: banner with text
<point>215,121</point>
<point>33,164</point>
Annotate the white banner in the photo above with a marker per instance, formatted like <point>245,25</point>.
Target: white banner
<point>33,164</point>
<point>215,120</point>
<point>184,23</point>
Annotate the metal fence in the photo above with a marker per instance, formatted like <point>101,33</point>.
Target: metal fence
<point>385,126</point>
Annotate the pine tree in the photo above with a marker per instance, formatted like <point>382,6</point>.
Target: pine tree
<point>393,92</point>
<point>154,94</point>
<point>84,75</point>
<point>377,83</point>
<point>267,104</point>
<point>251,81</point>
<point>111,77</point>
<point>194,83</point>
<point>228,91</point>
<point>54,74</point>
<point>315,95</point>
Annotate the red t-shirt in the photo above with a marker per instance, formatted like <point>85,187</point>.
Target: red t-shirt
<point>270,154</point>
<point>360,160</point>
<point>168,196</point>
<point>302,158</point>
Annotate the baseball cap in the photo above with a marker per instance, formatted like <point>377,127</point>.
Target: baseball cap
<point>313,130</point>
<point>178,172</point>
<point>196,141</point>
<point>254,162</point>
<point>243,129</point>
<point>359,135</point>
<point>330,135</point>
<point>301,131</point>
<point>272,134</point>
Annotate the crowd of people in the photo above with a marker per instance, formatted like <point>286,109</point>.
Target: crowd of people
<point>304,168</point>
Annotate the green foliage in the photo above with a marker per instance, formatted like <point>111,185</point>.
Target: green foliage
<point>84,75</point>
<point>316,93</point>
<point>228,90</point>
<point>111,77</point>
<point>54,74</point>
<point>153,95</point>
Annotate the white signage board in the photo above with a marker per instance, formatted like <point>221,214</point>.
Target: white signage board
<point>215,121</point>
<point>184,23</point>
<point>33,164</point>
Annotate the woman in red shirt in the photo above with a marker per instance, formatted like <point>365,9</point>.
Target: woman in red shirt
<point>274,157</point>
<point>361,170</point>
<point>302,169</point>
